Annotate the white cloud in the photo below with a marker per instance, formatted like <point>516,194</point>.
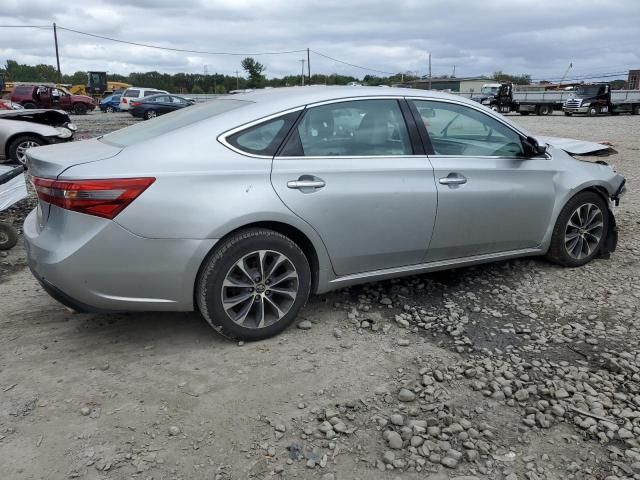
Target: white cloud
<point>478,37</point>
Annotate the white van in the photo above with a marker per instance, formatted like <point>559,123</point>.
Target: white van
<point>133,93</point>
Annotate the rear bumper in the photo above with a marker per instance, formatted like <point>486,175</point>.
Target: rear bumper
<point>95,265</point>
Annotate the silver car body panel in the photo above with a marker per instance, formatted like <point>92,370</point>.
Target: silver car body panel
<point>11,125</point>
<point>377,217</point>
<point>573,146</point>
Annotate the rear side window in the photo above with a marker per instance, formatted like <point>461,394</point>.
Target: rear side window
<point>143,131</point>
<point>131,93</point>
<point>354,128</point>
<point>148,93</point>
<point>264,138</point>
<point>23,90</point>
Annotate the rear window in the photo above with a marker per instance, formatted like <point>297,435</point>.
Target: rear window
<point>131,93</point>
<point>143,131</point>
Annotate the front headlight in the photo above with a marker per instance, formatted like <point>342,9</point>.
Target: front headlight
<point>585,104</point>
<point>486,101</point>
<point>63,132</point>
<point>72,126</point>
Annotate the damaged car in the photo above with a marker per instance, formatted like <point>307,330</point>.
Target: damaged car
<point>243,207</point>
<point>23,129</point>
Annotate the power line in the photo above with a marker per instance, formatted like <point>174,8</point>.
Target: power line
<point>43,27</point>
<point>353,65</point>
<point>181,50</point>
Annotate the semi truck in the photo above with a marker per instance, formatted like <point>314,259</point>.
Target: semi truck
<point>598,98</point>
<point>503,98</point>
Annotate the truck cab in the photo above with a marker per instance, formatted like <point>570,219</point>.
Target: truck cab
<point>590,99</point>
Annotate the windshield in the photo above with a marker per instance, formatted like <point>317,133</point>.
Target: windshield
<point>489,90</point>
<point>587,91</point>
<point>168,123</point>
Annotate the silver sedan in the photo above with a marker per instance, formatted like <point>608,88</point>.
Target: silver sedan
<point>241,207</point>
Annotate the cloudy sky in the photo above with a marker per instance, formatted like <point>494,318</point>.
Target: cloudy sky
<point>539,37</point>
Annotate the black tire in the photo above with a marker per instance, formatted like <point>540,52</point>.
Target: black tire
<point>18,143</point>
<point>221,261</point>
<point>568,114</point>
<point>110,109</point>
<point>558,252</point>
<point>8,236</point>
<point>149,114</point>
<point>636,110</point>
<point>79,109</point>
<point>525,113</point>
<point>593,111</point>
<point>30,105</point>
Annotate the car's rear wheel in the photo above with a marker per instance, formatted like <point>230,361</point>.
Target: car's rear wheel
<point>19,146</point>
<point>30,105</point>
<point>79,109</point>
<point>149,114</point>
<point>580,230</point>
<point>110,109</point>
<point>8,236</point>
<point>253,284</point>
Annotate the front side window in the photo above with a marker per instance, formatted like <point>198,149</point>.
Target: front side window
<point>131,94</point>
<point>353,128</point>
<point>464,131</point>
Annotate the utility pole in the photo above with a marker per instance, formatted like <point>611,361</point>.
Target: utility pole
<point>308,67</point>
<point>429,70</point>
<point>302,73</point>
<point>55,39</point>
<point>237,80</point>
<point>454,71</point>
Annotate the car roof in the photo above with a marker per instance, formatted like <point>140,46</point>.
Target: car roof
<point>291,97</point>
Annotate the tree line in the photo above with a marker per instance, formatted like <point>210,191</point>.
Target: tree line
<point>220,83</point>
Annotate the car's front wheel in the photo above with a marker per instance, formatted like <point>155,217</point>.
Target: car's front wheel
<point>19,146</point>
<point>149,114</point>
<point>580,230</point>
<point>110,109</point>
<point>253,284</point>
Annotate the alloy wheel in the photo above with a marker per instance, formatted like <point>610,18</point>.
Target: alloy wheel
<point>21,150</point>
<point>584,231</point>
<point>260,289</point>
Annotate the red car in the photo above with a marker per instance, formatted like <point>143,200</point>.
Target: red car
<point>42,96</point>
<point>9,105</point>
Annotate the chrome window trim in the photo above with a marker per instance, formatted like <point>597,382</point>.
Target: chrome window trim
<point>350,157</point>
<point>222,138</point>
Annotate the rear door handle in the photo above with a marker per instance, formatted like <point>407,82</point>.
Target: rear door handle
<point>453,179</point>
<point>298,184</point>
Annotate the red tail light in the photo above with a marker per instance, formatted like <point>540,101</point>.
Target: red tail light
<point>102,198</point>
<point>135,104</point>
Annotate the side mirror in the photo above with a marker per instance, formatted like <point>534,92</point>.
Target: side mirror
<point>532,148</point>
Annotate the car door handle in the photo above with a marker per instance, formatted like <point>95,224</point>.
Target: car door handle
<point>305,184</point>
<point>453,179</point>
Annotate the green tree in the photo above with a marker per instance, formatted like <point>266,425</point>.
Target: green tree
<point>500,76</point>
<point>197,89</point>
<point>254,69</point>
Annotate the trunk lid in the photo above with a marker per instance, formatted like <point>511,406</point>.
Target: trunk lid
<point>51,160</point>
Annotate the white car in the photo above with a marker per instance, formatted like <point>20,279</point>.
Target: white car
<point>134,93</point>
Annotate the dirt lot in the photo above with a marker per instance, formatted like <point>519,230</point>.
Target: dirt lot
<point>516,370</point>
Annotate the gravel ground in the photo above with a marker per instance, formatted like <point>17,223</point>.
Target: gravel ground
<point>515,370</point>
